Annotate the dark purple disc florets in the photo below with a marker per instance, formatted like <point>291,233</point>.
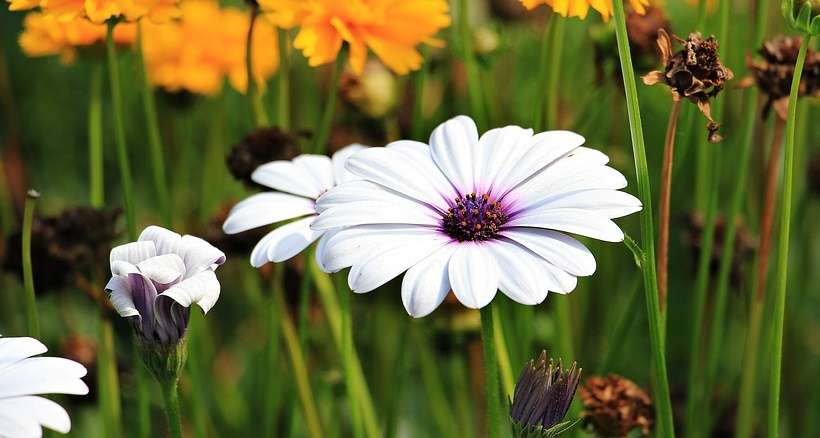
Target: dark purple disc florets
<point>474,217</point>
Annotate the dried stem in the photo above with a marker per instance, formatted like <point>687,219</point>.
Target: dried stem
<point>769,203</point>
<point>665,195</point>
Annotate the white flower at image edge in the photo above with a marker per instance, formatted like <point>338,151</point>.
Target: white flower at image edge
<point>473,215</point>
<point>156,279</point>
<point>298,184</point>
<point>22,378</point>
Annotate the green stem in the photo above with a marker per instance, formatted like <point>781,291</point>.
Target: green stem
<point>419,79</point>
<point>347,356</point>
<point>260,116</point>
<point>541,79</point>
<point>272,355</point>
<point>494,419</point>
<point>745,408</point>
<point>283,81</point>
<point>95,140</point>
<point>662,396</point>
<point>330,301</point>
<point>474,94</point>
<point>154,139</point>
<point>32,319</point>
<point>170,396</point>
<point>322,134</point>
<point>107,378</point>
<point>119,131</point>
<point>297,360</point>
<point>503,354</point>
<point>783,247</point>
<point>143,396</point>
<point>554,72</point>
<point>438,406</point>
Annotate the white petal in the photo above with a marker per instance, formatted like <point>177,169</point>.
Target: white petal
<point>319,168</point>
<point>427,283</point>
<point>202,289</point>
<point>546,148</point>
<point>31,413</point>
<point>122,269</point>
<point>571,220</point>
<point>354,245</point>
<point>365,191</point>
<point>421,156</point>
<point>15,349</point>
<point>559,249</point>
<point>473,275</point>
<point>320,250</point>
<point>340,174</point>
<point>499,151</point>
<point>394,170</point>
<point>454,144</point>
<point>165,240</point>
<point>284,242</point>
<point>163,269</point>
<point>42,375</point>
<point>521,275</point>
<point>24,416</point>
<point>265,209</point>
<point>362,213</point>
<point>608,203</point>
<point>286,176</point>
<point>380,267</point>
<point>132,253</point>
<point>199,255</point>
<point>119,289</point>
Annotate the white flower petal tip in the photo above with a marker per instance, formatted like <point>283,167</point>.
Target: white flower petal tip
<point>23,413</point>
<point>472,214</point>
<point>158,291</point>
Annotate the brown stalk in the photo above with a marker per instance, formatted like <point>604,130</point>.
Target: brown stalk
<point>665,195</point>
<point>767,220</point>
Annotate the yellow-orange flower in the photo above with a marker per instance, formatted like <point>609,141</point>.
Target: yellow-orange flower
<point>390,28</point>
<point>197,52</point>
<point>46,35</point>
<point>98,11</point>
<point>580,8</point>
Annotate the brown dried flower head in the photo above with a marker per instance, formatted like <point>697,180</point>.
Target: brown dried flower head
<point>257,148</point>
<point>773,73</point>
<point>614,406</point>
<point>694,72</point>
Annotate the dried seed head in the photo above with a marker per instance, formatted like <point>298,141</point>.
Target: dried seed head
<point>745,244</point>
<point>614,406</point>
<point>75,240</point>
<point>774,72</point>
<point>543,393</point>
<point>694,72</point>
<point>257,148</point>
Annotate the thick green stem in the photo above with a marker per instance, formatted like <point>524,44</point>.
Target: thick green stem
<point>783,248</point>
<point>298,365</point>
<point>503,354</point>
<point>107,378</point>
<point>554,72</point>
<point>154,139</point>
<point>657,339</point>
<point>119,131</point>
<point>419,80</point>
<point>494,419</point>
<point>474,94</point>
<point>330,301</point>
<point>283,81</point>
<point>260,116</point>
<point>32,319</point>
<point>170,396</point>
<point>95,140</point>
<point>323,133</point>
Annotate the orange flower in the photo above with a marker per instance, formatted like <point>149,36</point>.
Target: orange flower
<point>98,11</point>
<point>390,28</point>
<point>205,46</point>
<point>46,35</point>
<point>580,8</point>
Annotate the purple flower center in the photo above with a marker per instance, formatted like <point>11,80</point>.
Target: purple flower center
<point>474,217</point>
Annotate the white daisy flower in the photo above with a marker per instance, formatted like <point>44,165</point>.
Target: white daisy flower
<point>22,378</point>
<point>473,215</point>
<point>297,184</point>
<point>156,279</point>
